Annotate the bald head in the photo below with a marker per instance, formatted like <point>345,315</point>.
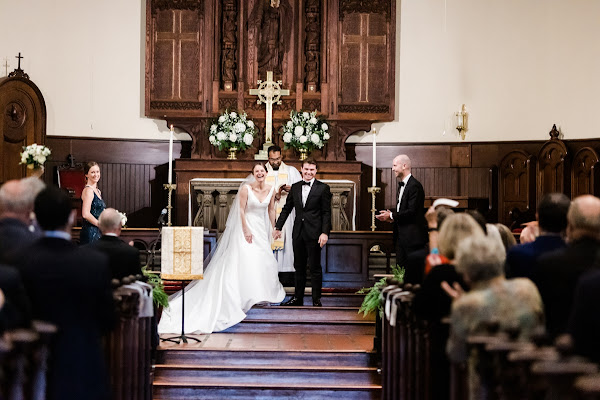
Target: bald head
<point>584,218</point>
<point>401,166</point>
<point>110,221</point>
<point>15,200</point>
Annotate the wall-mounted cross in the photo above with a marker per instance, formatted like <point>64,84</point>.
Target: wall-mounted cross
<point>6,66</point>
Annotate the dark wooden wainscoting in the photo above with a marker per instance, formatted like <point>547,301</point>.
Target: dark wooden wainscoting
<point>133,172</point>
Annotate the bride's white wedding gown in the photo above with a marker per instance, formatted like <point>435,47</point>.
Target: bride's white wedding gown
<point>237,277</point>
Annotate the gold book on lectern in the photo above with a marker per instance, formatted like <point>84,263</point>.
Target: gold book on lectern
<point>182,253</point>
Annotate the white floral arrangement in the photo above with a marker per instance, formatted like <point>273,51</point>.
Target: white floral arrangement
<point>123,218</point>
<point>305,130</point>
<point>34,155</point>
<point>232,129</point>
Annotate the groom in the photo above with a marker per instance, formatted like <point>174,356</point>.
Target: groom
<point>312,201</point>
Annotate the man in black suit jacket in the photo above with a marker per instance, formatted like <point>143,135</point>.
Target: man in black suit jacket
<point>584,322</point>
<point>409,216</point>
<point>123,259</point>
<point>552,218</point>
<point>69,286</point>
<point>556,273</point>
<point>312,201</point>
<point>16,206</point>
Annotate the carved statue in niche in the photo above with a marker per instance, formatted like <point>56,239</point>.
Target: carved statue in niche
<point>229,45</point>
<point>273,22</point>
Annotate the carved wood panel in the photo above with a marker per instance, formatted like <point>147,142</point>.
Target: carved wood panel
<point>584,173</point>
<point>551,168</point>
<point>517,185</point>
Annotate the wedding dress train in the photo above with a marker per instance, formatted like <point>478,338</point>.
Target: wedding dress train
<point>239,275</point>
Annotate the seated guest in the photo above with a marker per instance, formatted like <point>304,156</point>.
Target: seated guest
<point>17,308</point>
<point>123,259</point>
<point>552,221</point>
<point>557,272</point>
<point>508,239</point>
<point>69,287</point>
<point>514,303</point>
<point>584,323</point>
<point>16,206</point>
<point>530,231</point>
<point>431,302</point>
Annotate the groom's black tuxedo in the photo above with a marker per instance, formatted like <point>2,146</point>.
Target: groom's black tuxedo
<point>312,219</point>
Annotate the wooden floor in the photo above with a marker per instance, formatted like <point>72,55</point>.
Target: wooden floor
<point>276,353</point>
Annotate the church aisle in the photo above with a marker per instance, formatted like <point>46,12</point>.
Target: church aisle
<point>276,353</point>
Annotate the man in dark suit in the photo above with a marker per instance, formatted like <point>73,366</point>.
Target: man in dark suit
<point>16,206</point>
<point>408,218</point>
<point>557,272</point>
<point>123,259</point>
<point>552,219</point>
<point>69,287</point>
<point>312,201</point>
<point>584,322</point>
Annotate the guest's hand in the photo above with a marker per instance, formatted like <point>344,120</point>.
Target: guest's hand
<point>431,217</point>
<point>384,215</point>
<point>276,234</point>
<point>323,239</point>
<point>248,236</point>
<point>454,292</point>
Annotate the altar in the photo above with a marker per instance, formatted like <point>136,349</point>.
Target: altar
<point>205,190</point>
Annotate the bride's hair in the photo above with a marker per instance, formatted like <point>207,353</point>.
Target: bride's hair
<point>254,166</point>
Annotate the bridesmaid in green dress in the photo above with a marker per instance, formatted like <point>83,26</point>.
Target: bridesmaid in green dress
<point>92,206</point>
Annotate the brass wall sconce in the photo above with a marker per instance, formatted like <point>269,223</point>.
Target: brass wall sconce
<point>462,119</point>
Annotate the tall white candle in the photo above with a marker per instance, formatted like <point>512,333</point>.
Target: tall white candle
<point>374,157</point>
<point>171,156</point>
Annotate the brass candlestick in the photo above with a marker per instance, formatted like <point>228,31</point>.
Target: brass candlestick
<point>373,190</point>
<point>170,187</point>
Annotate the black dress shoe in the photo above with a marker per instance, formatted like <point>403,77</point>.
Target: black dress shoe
<point>317,303</point>
<point>294,301</point>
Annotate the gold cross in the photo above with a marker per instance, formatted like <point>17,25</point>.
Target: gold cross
<point>269,92</point>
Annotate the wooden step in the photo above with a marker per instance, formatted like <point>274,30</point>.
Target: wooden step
<point>307,313</point>
<point>275,358</point>
<point>357,327</point>
<point>255,375</point>
<point>333,299</point>
<point>189,391</point>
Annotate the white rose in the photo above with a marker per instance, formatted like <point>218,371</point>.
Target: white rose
<point>250,124</point>
<point>213,128</point>
<point>47,151</point>
<point>23,158</point>
<point>233,115</point>
<point>287,137</point>
<point>324,126</point>
<point>222,118</point>
<point>239,127</point>
<point>315,138</point>
<point>298,131</point>
<point>221,136</point>
<point>305,115</point>
<point>248,139</point>
<point>290,124</point>
<point>233,137</point>
<point>313,121</point>
<point>211,139</point>
<point>326,136</point>
<point>303,139</point>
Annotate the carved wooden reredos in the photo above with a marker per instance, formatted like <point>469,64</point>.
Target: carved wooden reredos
<point>335,56</point>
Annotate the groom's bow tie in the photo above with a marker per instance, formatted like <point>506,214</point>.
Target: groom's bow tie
<point>400,184</point>
<point>306,183</point>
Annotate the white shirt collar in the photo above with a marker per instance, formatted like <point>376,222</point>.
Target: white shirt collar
<point>406,178</point>
<point>311,181</point>
<point>111,234</point>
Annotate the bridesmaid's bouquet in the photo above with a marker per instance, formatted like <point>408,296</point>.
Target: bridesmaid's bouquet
<point>34,156</point>
<point>305,131</point>
<point>232,130</point>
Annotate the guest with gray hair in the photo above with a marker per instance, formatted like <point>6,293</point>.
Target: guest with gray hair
<point>16,207</point>
<point>123,259</point>
<point>512,303</point>
<point>557,272</point>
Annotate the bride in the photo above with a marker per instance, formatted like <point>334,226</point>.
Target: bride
<point>242,271</point>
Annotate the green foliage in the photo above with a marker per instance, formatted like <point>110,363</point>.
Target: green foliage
<point>372,301</point>
<point>159,296</point>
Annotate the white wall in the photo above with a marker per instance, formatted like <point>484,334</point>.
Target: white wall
<point>519,66</point>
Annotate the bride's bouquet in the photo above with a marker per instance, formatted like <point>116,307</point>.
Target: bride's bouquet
<point>34,155</point>
<point>232,130</point>
<point>305,131</point>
